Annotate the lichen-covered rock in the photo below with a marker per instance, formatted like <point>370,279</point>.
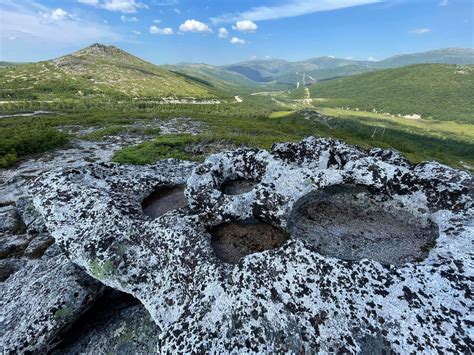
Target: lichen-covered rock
<point>125,330</point>
<point>40,299</point>
<point>290,299</point>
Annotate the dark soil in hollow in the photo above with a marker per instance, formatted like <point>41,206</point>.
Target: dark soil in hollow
<point>234,240</point>
<point>164,199</point>
<point>238,186</point>
<point>351,223</point>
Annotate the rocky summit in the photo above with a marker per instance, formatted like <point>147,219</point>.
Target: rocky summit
<point>316,246</point>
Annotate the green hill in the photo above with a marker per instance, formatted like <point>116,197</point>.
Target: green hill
<point>97,72</point>
<point>437,91</point>
<point>440,56</point>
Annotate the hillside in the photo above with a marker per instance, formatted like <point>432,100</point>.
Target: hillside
<point>438,91</point>
<point>220,78</point>
<point>440,56</point>
<point>97,71</point>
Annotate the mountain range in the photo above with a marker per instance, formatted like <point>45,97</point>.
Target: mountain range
<point>107,72</point>
<point>282,73</point>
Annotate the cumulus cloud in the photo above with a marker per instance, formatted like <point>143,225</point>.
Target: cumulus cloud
<point>420,31</point>
<point>291,8</point>
<point>236,40</point>
<point>156,21</point>
<point>245,26</point>
<point>59,14</point>
<point>125,6</point>
<point>372,59</point>
<point>138,33</point>
<point>222,32</point>
<point>128,19</point>
<point>161,31</point>
<point>194,26</point>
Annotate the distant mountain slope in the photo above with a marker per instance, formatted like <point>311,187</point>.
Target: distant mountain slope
<point>323,68</point>
<point>439,91</point>
<point>4,64</point>
<point>97,71</point>
<point>442,56</point>
<point>219,78</point>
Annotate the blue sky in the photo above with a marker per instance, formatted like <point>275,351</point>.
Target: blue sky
<point>172,31</point>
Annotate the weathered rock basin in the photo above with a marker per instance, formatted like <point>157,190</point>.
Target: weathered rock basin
<point>307,294</point>
<point>164,199</point>
<point>238,186</point>
<point>232,241</point>
<point>351,223</point>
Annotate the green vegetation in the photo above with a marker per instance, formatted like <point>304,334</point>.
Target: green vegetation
<point>17,142</point>
<point>265,131</point>
<point>101,270</point>
<point>169,146</point>
<point>435,91</point>
<point>65,312</point>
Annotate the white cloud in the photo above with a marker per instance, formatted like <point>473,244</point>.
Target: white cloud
<point>194,26</point>
<point>59,14</point>
<point>89,2</point>
<point>177,11</point>
<point>222,32</point>
<point>291,8</point>
<point>161,31</point>
<point>37,26</point>
<point>125,6</point>
<point>372,59</point>
<point>156,21</point>
<point>138,33</point>
<point>236,40</point>
<point>245,26</point>
<point>128,19</point>
<point>443,3</point>
<point>420,31</point>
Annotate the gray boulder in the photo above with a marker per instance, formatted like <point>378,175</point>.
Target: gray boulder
<point>303,296</point>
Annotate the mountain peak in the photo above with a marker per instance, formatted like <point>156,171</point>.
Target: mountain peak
<point>101,50</point>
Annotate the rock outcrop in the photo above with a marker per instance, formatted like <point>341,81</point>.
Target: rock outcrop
<point>305,295</point>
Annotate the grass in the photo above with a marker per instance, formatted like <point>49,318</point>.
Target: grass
<point>441,129</point>
<point>265,131</point>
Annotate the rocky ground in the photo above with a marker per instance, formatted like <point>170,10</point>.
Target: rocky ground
<point>32,266</point>
<point>316,246</point>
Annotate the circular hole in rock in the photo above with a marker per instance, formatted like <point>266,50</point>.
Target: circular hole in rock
<point>164,199</point>
<point>233,240</point>
<point>351,223</point>
<point>238,186</point>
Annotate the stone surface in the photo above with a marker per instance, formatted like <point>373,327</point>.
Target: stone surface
<point>40,299</point>
<point>351,223</point>
<point>115,324</point>
<point>289,299</point>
